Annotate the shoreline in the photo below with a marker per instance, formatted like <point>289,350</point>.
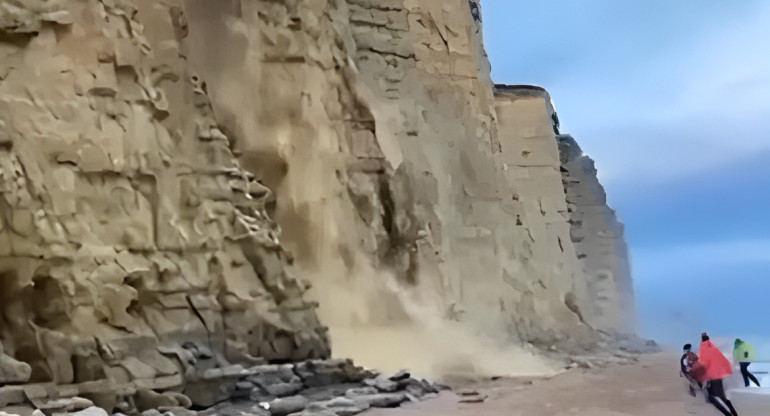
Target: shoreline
<point>649,385</point>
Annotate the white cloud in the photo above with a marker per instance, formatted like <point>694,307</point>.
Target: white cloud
<point>697,102</point>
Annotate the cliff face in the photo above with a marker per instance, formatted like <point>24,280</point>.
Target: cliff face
<point>542,264</point>
<point>600,243</point>
<point>167,168</point>
<point>125,219</point>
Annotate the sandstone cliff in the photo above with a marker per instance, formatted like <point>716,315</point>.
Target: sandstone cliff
<point>176,175</point>
<point>127,223</point>
<point>600,242</point>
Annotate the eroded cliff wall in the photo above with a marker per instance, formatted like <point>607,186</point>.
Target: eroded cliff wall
<point>600,243</point>
<point>168,168</point>
<point>474,237</point>
<point>125,219</point>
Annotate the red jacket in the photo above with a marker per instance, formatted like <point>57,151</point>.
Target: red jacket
<point>711,365</point>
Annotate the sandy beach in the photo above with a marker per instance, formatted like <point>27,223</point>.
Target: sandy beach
<point>649,387</point>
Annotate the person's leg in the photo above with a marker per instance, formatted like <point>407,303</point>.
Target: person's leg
<point>730,405</point>
<point>719,391</point>
<point>715,390</point>
<point>720,407</point>
<point>746,373</point>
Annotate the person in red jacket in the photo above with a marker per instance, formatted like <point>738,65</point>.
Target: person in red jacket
<point>711,368</point>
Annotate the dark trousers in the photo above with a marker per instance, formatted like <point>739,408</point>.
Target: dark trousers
<point>716,390</point>
<point>747,375</point>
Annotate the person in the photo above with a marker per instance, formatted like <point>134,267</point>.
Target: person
<point>686,363</point>
<point>711,368</point>
<point>744,354</point>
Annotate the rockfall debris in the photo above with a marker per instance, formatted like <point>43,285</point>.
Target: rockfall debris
<point>312,387</point>
<point>187,186</point>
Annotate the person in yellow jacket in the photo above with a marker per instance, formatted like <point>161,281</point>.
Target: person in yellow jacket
<point>744,354</point>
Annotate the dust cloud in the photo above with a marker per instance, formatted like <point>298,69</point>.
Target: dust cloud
<point>383,324</point>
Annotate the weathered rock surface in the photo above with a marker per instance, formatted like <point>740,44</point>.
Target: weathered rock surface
<point>13,371</point>
<point>135,252</point>
<point>318,386</point>
<point>384,153</point>
<point>150,150</point>
<point>600,244</point>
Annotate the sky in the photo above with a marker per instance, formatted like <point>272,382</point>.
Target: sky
<point>672,101</point>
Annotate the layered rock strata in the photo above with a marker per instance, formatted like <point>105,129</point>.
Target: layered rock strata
<point>133,246</point>
<point>542,263</point>
<point>330,387</point>
<point>388,168</point>
<point>600,243</point>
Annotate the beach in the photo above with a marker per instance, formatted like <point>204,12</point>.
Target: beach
<point>651,386</point>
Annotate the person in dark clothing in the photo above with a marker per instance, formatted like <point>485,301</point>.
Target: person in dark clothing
<point>689,359</point>
<point>716,391</point>
<point>748,376</point>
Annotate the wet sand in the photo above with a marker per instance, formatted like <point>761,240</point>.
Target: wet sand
<point>649,387</point>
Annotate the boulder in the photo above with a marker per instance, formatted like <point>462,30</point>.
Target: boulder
<point>13,371</point>
<point>383,399</point>
<point>323,393</point>
<point>340,406</point>
<point>286,405</point>
<point>382,384</point>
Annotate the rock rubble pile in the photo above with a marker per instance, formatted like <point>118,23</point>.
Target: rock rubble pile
<point>312,387</point>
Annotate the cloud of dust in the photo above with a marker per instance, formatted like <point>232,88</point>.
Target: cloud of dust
<point>382,324</point>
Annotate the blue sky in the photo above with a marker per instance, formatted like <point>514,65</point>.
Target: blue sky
<point>672,100</point>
